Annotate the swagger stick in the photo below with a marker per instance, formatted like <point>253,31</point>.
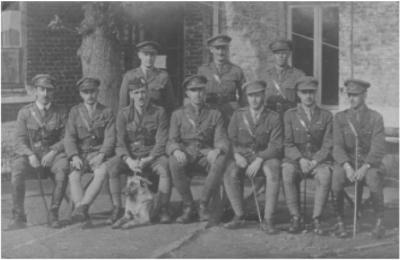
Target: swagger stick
<point>255,200</point>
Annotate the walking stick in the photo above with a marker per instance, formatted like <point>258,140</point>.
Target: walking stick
<point>255,200</point>
<point>38,172</point>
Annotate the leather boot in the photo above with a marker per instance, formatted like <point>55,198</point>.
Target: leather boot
<point>165,217</point>
<point>379,230</point>
<point>204,215</point>
<point>236,222</point>
<point>188,215</point>
<point>56,199</point>
<point>295,225</point>
<point>81,214</point>
<point>18,221</point>
<point>53,217</point>
<point>116,214</point>
<point>268,227</point>
<point>317,229</point>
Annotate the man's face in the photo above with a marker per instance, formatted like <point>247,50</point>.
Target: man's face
<point>139,97</point>
<point>196,93</point>
<point>44,95</point>
<point>256,100</point>
<point>356,100</point>
<point>281,57</point>
<point>220,53</point>
<point>307,97</point>
<point>147,59</point>
<point>89,96</point>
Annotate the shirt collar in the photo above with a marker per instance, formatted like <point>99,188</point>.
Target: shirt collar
<point>91,108</point>
<point>41,106</point>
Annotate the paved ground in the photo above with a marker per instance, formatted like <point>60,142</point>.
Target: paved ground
<point>186,241</point>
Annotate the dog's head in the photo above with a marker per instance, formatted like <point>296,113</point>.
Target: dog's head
<point>137,188</point>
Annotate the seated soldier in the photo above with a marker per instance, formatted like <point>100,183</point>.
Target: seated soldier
<point>308,144</point>
<point>39,146</point>
<point>358,123</point>
<point>142,133</point>
<point>89,141</point>
<point>256,135</point>
<point>197,138</point>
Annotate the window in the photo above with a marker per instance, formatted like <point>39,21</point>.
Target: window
<point>314,31</point>
<point>11,40</point>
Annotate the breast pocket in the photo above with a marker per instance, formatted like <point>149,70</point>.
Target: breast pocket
<point>83,132</point>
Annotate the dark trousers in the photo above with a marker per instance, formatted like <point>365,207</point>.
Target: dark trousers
<point>233,181</point>
<point>291,174</point>
<point>21,167</point>
<point>374,181</point>
<point>182,174</point>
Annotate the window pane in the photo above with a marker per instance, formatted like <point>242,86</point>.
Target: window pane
<point>303,21</point>
<point>10,28</point>
<point>330,56</point>
<point>330,25</point>
<point>303,54</point>
<point>330,75</point>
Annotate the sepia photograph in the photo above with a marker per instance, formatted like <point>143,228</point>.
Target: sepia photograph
<point>200,129</point>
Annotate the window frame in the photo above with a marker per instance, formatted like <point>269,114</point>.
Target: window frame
<point>317,43</point>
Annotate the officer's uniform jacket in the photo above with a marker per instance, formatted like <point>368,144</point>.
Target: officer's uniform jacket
<point>313,140</point>
<point>369,126</point>
<point>38,135</point>
<point>285,81</point>
<point>261,139</point>
<point>86,135</point>
<point>139,137</point>
<point>159,84</point>
<point>191,133</point>
<point>223,87</point>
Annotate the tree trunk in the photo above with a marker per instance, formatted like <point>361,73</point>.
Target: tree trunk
<point>100,54</point>
<point>101,58</point>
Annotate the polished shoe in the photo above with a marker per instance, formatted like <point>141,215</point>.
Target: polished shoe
<point>268,227</point>
<point>379,230</point>
<point>236,222</point>
<point>204,215</point>
<point>188,215</point>
<point>317,229</point>
<point>340,230</point>
<point>53,218</point>
<point>81,214</point>
<point>116,214</point>
<point>165,217</point>
<point>295,225</point>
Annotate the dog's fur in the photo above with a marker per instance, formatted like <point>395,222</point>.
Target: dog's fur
<point>139,205</point>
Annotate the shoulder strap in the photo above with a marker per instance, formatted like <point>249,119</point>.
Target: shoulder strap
<point>303,123</point>
<point>191,121</point>
<point>34,115</point>
<point>353,129</point>
<point>84,120</point>
<point>247,124</point>
<point>278,88</point>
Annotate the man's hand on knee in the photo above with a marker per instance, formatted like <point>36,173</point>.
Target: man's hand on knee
<point>349,172</point>
<point>254,167</point>
<point>240,160</point>
<point>212,155</point>
<point>360,173</point>
<point>180,156</point>
<point>33,161</point>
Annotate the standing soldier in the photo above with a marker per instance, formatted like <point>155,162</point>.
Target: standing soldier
<point>89,141</point>
<point>142,133</point>
<point>281,78</point>
<point>197,139</point>
<point>308,144</point>
<point>256,135</point>
<point>224,78</point>
<point>160,88</point>
<point>358,123</point>
<point>39,133</point>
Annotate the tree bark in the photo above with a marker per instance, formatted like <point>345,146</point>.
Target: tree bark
<point>101,55</point>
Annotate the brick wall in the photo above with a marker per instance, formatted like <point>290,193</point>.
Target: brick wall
<point>54,52</point>
<point>375,53</point>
